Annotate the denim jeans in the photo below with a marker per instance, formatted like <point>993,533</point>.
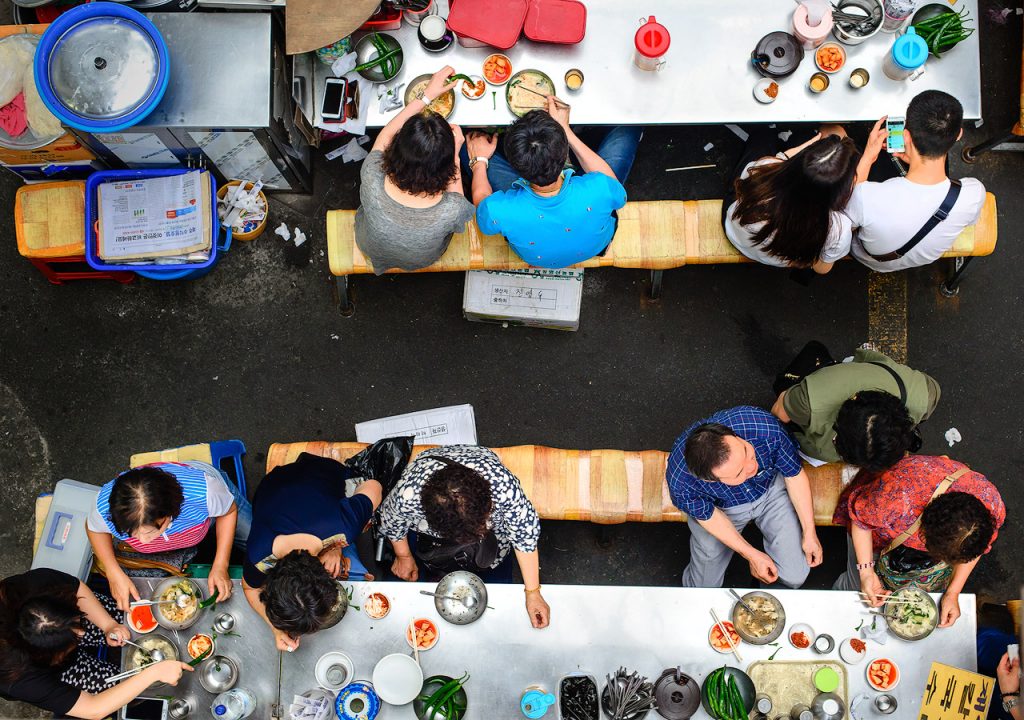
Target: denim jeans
<point>617,148</point>
<point>243,523</point>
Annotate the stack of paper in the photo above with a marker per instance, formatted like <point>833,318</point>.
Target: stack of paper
<point>155,220</point>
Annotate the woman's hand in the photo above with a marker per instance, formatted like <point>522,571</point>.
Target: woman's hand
<point>332,561</point>
<point>459,138</point>
<point>872,587</point>
<point>219,582</point>
<point>116,634</point>
<point>122,589</point>
<point>168,671</point>
<point>285,642</point>
<point>404,567</point>
<point>439,84</point>
<point>1008,674</point>
<point>480,144</point>
<point>538,610</point>
<point>949,609</point>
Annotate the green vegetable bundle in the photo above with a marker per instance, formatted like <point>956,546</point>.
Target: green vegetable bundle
<point>724,697</point>
<point>944,31</point>
<point>444,700</point>
<point>385,58</point>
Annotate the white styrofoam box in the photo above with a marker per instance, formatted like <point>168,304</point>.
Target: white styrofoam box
<point>64,544</point>
<point>452,425</point>
<point>536,297</point>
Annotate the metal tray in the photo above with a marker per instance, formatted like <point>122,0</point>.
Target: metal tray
<point>789,683</point>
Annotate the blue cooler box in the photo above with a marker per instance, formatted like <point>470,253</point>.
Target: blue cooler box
<point>64,544</point>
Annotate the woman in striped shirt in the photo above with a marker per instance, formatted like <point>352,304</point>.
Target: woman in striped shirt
<point>163,507</point>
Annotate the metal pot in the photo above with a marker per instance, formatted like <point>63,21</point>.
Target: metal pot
<point>365,52</point>
<point>869,7</point>
<point>338,611</point>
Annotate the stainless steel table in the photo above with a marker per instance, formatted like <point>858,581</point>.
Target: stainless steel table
<point>598,629</point>
<point>708,77</point>
<point>252,648</point>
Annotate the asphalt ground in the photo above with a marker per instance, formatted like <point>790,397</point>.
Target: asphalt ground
<point>92,372</point>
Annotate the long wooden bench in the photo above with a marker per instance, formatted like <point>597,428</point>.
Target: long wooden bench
<point>599,486</point>
<point>652,235</point>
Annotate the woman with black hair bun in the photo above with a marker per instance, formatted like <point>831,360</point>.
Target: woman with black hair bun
<point>50,627</point>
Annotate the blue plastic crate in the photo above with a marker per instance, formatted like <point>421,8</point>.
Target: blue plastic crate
<point>92,214</point>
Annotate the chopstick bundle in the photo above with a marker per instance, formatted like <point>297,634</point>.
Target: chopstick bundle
<point>728,637</point>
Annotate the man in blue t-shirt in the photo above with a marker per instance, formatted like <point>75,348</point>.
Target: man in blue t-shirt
<point>551,217</point>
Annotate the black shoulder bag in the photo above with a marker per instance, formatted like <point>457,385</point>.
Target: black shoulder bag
<point>941,214</point>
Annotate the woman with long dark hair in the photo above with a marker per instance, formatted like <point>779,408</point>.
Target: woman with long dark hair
<point>50,627</point>
<point>788,206</point>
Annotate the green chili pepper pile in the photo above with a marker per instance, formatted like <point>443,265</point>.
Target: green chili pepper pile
<point>444,700</point>
<point>943,32</point>
<point>724,697</point>
<point>385,58</point>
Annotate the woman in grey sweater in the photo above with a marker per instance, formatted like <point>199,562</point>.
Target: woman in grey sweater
<point>411,189</point>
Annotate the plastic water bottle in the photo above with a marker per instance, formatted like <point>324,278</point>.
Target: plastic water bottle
<point>234,704</point>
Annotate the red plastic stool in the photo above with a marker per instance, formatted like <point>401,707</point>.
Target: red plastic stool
<point>49,222</point>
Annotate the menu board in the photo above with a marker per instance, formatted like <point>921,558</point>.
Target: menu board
<point>955,694</point>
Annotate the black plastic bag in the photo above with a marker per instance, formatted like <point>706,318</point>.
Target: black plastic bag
<point>383,461</point>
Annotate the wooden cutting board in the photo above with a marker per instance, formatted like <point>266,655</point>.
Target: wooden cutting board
<point>313,24</point>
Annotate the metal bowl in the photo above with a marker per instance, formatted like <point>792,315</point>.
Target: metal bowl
<point>133,656</point>
<point>420,82</point>
<point>431,686</point>
<point>338,611</point>
<point>780,624</point>
<point>546,86</point>
<point>158,613</point>
<point>620,678</point>
<point>365,52</point>
<point>460,584</point>
<point>848,37</point>
<point>890,609</point>
<point>743,683</point>
<point>218,674</point>
<point>926,12</point>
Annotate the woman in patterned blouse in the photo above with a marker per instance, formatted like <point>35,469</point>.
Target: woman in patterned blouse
<point>460,494</point>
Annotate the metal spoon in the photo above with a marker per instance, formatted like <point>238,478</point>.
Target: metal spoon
<point>467,602</point>
<point>154,655</point>
<point>181,600</point>
<point>743,602</point>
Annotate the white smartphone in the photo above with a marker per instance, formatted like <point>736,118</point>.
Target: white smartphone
<point>333,103</point>
<point>894,127</point>
<point>146,709</point>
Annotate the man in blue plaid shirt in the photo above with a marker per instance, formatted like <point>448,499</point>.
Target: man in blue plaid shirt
<point>737,466</point>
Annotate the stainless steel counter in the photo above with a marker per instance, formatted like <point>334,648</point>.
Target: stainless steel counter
<point>252,647</point>
<point>598,629</point>
<point>708,77</point>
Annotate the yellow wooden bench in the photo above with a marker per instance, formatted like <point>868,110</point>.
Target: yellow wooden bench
<point>599,486</point>
<point>652,235</point>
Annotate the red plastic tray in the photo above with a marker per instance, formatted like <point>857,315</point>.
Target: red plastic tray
<point>556,21</point>
<point>492,22</point>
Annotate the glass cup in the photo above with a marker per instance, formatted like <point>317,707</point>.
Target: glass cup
<point>574,79</point>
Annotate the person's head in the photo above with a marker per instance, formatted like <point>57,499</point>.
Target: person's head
<point>873,431</point>
<point>48,629</point>
<point>795,199</point>
<point>298,594</point>
<point>457,503</point>
<point>420,159</point>
<point>934,123</point>
<point>956,528</point>
<point>714,453</point>
<point>144,501</point>
<point>537,148</point>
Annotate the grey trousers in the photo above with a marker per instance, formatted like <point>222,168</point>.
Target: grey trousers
<point>849,580</point>
<point>774,514</point>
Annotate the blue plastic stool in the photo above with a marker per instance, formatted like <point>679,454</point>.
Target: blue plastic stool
<point>227,457</point>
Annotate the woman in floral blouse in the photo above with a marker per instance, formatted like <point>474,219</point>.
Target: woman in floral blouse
<point>462,497</point>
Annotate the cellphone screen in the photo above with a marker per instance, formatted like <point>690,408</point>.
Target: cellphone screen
<point>333,96</point>
<point>894,140</point>
<point>145,709</point>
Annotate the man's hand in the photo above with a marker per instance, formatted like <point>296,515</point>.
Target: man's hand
<point>220,582</point>
<point>538,609</point>
<point>285,642</point>
<point>559,111</point>
<point>812,548</point>
<point>872,587</point>
<point>763,567</point>
<point>949,609</point>
<point>459,138</point>
<point>439,84</point>
<point>480,144</point>
<point>405,568</point>
<point>116,634</point>
<point>333,561</point>
<point>122,589</point>
<point>876,140</point>
<point>1008,674</point>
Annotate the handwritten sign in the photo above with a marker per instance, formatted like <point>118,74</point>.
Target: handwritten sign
<point>955,694</point>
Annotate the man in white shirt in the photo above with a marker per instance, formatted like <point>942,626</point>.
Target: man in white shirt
<point>889,214</point>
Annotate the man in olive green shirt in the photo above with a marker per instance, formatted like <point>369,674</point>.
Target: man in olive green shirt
<point>813,404</point>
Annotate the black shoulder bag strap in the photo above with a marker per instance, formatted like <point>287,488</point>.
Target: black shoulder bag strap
<point>941,214</point>
<point>895,376</point>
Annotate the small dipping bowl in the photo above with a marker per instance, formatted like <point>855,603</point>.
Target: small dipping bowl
<point>224,623</point>
<point>818,83</point>
<point>573,79</point>
<point>824,644</point>
<point>885,704</point>
<point>763,90</point>
<point>218,674</point>
<point>859,78</point>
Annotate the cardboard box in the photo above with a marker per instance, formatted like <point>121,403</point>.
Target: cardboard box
<point>532,298</point>
<point>453,425</point>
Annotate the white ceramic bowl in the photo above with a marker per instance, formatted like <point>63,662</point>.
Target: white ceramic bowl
<point>326,668</point>
<point>397,678</point>
<point>806,630</point>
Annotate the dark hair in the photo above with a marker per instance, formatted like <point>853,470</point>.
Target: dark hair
<point>934,119</point>
<point>874,431</point>
<point>420,159</point>
<point>457,503</point>
<point>537,148</point>
<point>956,527</point>
<point>706,449</point>
<point>42,632</point>
<point>795,199</point>
<point>142,496</point>
<point>298,594</point>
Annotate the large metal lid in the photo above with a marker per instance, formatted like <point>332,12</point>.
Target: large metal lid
<point>104,67</point>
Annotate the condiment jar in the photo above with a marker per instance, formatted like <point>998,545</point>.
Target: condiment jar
<point>906,57</point>
<point>652,42</point>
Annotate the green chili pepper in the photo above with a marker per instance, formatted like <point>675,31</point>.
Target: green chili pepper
<point>460,76</point>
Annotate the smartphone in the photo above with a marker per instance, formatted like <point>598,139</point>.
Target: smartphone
<point>352,100</point>
<point>146,709</point>
<point>333,104</point>
<point>894,134</point>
